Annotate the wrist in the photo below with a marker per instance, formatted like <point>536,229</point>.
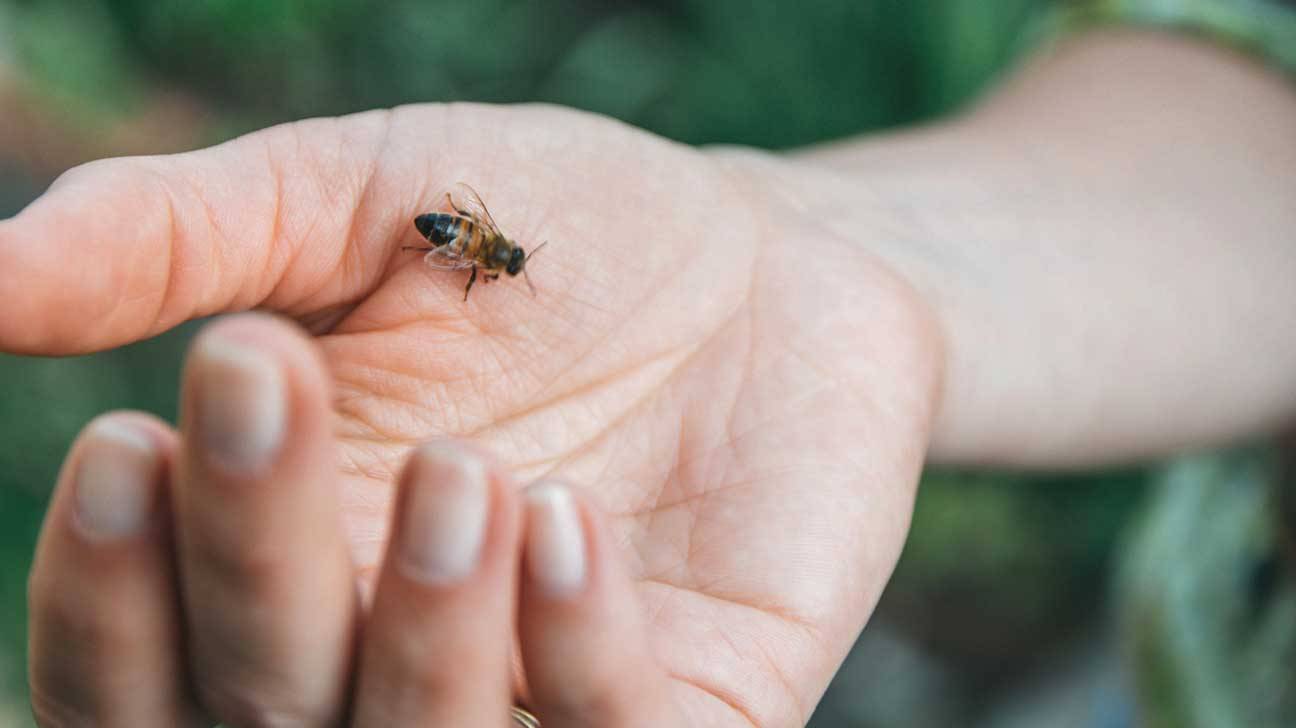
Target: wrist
<point>842,216</point>
<point>938,208</point>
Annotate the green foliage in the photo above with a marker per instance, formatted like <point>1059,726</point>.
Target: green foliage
<point>999,566</point>
<point>1208,607</point>
<point>64,49</point>
<point>765,73</point>
<point>20,516</point>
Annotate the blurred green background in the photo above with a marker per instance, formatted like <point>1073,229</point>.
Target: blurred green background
<point>1000,601</point>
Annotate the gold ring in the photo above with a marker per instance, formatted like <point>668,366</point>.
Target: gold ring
<point>523,718</point>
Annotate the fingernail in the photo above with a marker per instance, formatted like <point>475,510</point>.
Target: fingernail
<point>445,515</point>
<point>555,540</point>
<point>240,407</point>
<point>114,481</point>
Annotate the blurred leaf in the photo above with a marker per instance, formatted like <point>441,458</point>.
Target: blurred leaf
<point>71,50</point>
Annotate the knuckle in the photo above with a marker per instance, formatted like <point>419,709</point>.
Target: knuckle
<point>60,617</point>
<point>424,669</point>
<point>250,572</point>
<point>87,172</point>
<point>51,712</point>
<point>246,706</point>
<point>442,678</point>
<point>223,564</point>
<point>606,698</point>
<point>429,666</point>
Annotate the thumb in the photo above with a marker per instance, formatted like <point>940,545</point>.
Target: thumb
<point>122,249</point>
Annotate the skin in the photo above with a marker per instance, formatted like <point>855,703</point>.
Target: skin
<point>735,443</point>
<point>744,421</point>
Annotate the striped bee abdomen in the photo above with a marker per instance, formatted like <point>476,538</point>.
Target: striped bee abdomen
<point>438,227</point>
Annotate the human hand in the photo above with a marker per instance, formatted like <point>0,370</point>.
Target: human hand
<point>267,604</point>
<point>746,393</point>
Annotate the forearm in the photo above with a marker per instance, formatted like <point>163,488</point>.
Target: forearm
<point>1109,243</point>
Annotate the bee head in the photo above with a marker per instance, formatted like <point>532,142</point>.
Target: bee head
<point>516,261</point>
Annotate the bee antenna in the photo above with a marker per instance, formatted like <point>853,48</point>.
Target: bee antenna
<point>526,275</point>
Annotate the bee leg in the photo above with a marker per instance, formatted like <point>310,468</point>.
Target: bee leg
<point>492,277</point>
<point>471,279</point>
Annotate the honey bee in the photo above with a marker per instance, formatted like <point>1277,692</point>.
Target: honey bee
<point>470,239</point>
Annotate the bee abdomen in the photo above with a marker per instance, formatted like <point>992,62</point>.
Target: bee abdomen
<point>438,227</point>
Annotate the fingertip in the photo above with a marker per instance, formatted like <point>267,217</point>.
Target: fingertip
<point>107,501</point>
<point>276,335</point>
<point>446,507</point>
<point>113,476</point>
<point>79,270</point>
<point>116,481</point>
<point>263,331</point>
<point>239,402</point>
<point>158,432</point>
<point>256,398</point>
<point>31,322</point>
<point>557,558</point>
<point>568,551</point>
<point>457,519</point>
<point>107,504</point>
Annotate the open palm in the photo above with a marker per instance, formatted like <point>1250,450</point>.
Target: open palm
<point>745,394</point>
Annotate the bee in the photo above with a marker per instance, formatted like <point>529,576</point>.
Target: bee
<point>470,239</point>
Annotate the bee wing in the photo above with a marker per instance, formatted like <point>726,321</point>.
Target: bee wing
<point>465,199</point>
<point>444,259</point>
